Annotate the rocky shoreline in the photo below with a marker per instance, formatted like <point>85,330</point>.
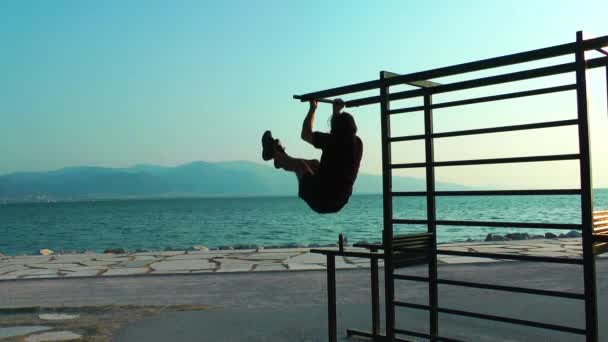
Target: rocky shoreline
<point>491,237</point>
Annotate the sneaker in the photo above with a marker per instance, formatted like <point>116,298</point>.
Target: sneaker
<point>268,146</point>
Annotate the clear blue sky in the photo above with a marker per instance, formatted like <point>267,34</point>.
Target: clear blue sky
<point>118,83</point>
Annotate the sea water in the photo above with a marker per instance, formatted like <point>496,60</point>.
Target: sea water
<point>262,221</point>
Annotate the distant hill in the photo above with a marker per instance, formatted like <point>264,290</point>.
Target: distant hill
<point>199,179</point>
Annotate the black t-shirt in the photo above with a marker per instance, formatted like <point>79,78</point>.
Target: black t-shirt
<point>339,162</point>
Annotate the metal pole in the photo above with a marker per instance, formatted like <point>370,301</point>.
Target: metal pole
<point>431,215</point>
<point>586,193</point>
<point>375,297</point>
<point>331,298</point>
<point>387,205</point>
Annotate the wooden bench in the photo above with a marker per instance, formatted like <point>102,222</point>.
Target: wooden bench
<point>600,232</point>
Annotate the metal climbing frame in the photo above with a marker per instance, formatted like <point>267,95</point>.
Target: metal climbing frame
<point>591,243</point>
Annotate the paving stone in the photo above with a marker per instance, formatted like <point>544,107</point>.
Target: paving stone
<point>308,258</point>
<point>50,266</point>
<point>233,267</point>
<point>33,272</point>
<point>57,317</point>
<point>187,257</point>
<point>98,263</point>
<point>229,261</point>
<point>77,268</point>
<point>21,330</point>
<point>125,271</point>
<point>89,273</point>
<point>298,267</point>
<point>171,253</point>
<point>33,257</point>
<point>270,256</point>
<point>11,268</point>
<point>40,276</point>
<point>549,249</point>
<point>270,267</point>
<point>174,265</point>
<point>134,264</point>
<point>71,258</point>
<point>111,258</point>
<point>173,272</point>
<point>144,257</point>
<point>286,250</point>
<point>54,336</point>
<point>7,277</point>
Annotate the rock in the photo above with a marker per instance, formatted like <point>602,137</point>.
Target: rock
<point>171,249</point>
<point>562,236</point>
<point>469,240</point>
<point>550,236</point>
<point>45,252</point>
<point>535,237</point>
<point>1,255</point>
<point>139,250</point>
<point>198,248</point>
<point>314,245</point>
<point>496,237</point>
<point>518,236</point>
<point>259,249</point>
<point>331,245</point>
<point>116,251</point>
<point>574,234</point>
<point>226,248</point>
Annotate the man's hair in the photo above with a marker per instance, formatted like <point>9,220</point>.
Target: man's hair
<point>343,125</point>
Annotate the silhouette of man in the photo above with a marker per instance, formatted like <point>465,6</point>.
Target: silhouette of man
<point>325,185</point>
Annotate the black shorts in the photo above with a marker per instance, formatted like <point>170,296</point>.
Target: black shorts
<point>314,191</point>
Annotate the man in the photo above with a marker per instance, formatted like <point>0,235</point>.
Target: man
<point>325,185</point>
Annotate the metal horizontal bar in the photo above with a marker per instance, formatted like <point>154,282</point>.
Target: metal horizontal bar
<point>423,335</point>
<point>490,192</point>
<point>494,287</point>
<point>407,138</point>
<point>482,82</point>
<point>548,124</point>
<point>511,128</point>
<point>597,62</point>
<point>512,257</point>
<point>531,159</point>
<point>513,289</point>
<point>494,318</point>
<point>513,321</point>
<point>565,226</point>
<point>411,278</point>
<point>521,57</point>
<point>474,83</point>
<point>407,221</point>
<point>488,98</point>
<point>411,305</point>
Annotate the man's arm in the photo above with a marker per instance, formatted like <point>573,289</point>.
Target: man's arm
<point>307,134</point>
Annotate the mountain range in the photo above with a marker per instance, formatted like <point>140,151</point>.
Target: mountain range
<point>196,179</point>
